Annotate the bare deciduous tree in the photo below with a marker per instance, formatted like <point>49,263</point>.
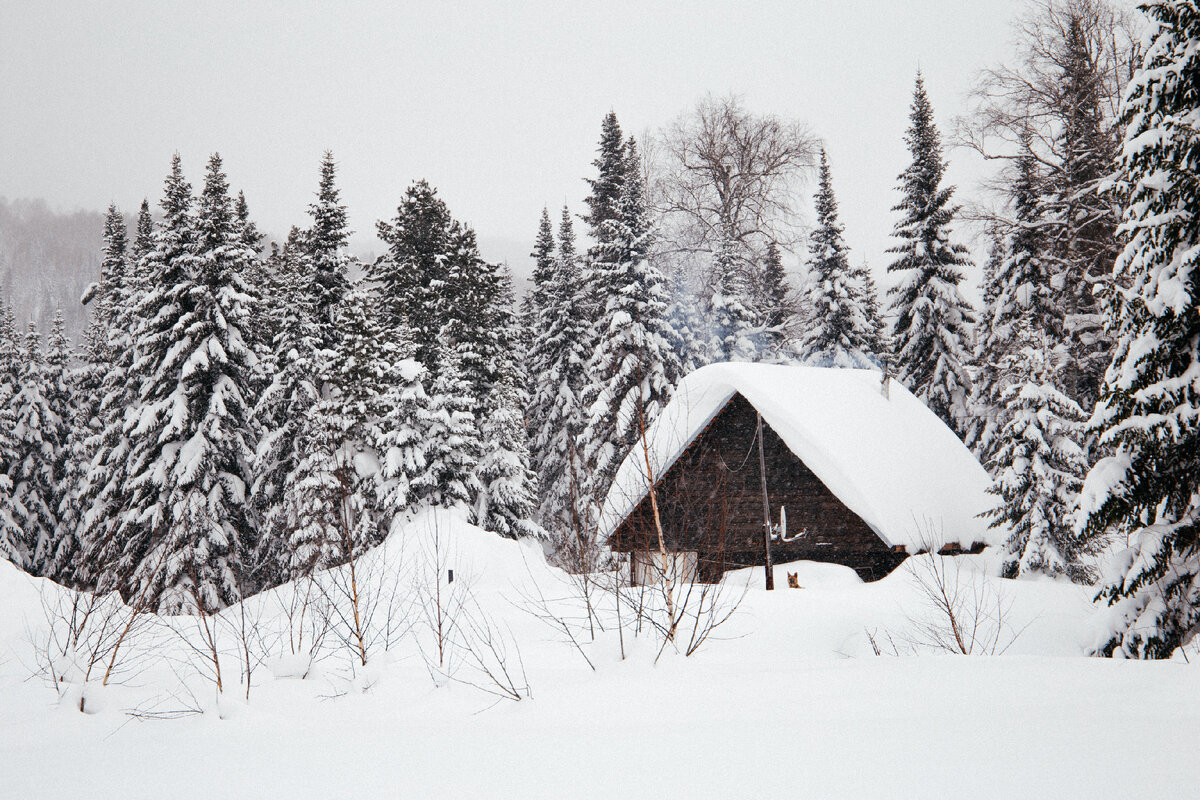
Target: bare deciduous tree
<point>963,612</point>
<point>721,167</point>
<point>88,636</point>
<point>1059,101</point>
<point>1030,94</point>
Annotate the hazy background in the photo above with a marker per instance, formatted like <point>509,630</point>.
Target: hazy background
<point>497,104</point>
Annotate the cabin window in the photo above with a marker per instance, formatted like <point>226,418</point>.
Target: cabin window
<point>649,567</point>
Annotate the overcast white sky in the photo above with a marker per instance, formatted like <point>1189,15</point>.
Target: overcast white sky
<point>497,104</point>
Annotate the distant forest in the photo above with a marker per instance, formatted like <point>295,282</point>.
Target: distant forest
<point>47,259</point>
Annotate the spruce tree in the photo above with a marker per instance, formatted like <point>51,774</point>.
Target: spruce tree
<point>12,538</point>
<point>106,391</point>
<point>686,317</point>
<point>991,346</point>
<point>257,330</point>
<point>10,363</point>
<point>537,300</point>
<point>735,333</point>
<point>507,484</point>
<point>143,243</point>
<point>248,233</point>
<point>406,483</point>
<point>481,328</point>
<point>612,168</point>
<point>453,447</point>
<point>468,307</point>
<point>562,336</point>
<point>327,239</point>
<point>868,293</point>
<point>933,319</point>
<point>1024,283</point>
<point>1148,490</point>
<point>335,490</point>
<point>603,221</point>
<point>311,513</point>
<point>107,295</point>
<point>58,383</point>
<point>842,335</point>
<point>410,279</point>
<point>505,504</point>
<point>634,367</point>
<point>86,386</point>
<point>539,308</point>
<point>775,304</point>
<point>1038,465</point>
<point>460,311</point>
<point>281,414</point>
<point>192,444</point>
<point>287,272</point>
<point>136,279</point>
<point>39,439</point>
<point>1020,292</point>
<point>123,501</point>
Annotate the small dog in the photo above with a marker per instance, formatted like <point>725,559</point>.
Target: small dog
<point>794,580</point>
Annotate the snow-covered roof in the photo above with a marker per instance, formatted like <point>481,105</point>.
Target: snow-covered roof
<point>890,459</point>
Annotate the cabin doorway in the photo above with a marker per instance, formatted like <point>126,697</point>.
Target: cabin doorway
<point>649,567</point>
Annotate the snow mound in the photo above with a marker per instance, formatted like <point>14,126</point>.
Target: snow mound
<point>444,538</point>
<point>888,458</point>
<point>809,575</point>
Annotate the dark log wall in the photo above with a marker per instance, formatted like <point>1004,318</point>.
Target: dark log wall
<point>710,501</point>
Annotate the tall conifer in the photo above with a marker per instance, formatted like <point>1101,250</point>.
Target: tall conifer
<point>40,435</point>
<point>327,239</point>
<point>933,319</point>
<point>1148,490</point>
<point>841,334</point>
<point>634,367</point>
<point>192,445</point>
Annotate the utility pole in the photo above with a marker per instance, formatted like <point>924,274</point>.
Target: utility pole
<point>762,472</point>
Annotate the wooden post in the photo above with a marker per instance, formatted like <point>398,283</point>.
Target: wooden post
<point>762,472</point>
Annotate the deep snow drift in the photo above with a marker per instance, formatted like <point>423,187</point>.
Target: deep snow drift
<point>787,698</point>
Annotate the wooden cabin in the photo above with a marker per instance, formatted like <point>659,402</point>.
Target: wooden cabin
<point>835,446</point>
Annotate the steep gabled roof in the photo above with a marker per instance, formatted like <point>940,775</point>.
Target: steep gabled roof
<point>889,459</point>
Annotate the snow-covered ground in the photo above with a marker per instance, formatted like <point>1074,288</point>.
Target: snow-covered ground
<point>788,698</point>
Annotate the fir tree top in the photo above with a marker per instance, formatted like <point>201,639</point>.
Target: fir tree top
<point>544,265</point>
<point>220,233</point>
<point>328,213</point>
<point>144,242</point>
<point>175,240</point>
<point>611,164</point>
<point>566,243</point>
<point>326,242</point>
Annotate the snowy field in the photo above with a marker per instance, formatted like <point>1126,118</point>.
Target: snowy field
<point>787,699</point>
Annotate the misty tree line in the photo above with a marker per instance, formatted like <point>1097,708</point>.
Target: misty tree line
<point>233,419</point>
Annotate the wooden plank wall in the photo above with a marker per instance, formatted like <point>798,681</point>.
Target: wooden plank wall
<point>710,501</point>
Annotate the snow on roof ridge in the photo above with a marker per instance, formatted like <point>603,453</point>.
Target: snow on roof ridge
<point>890,460</point>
